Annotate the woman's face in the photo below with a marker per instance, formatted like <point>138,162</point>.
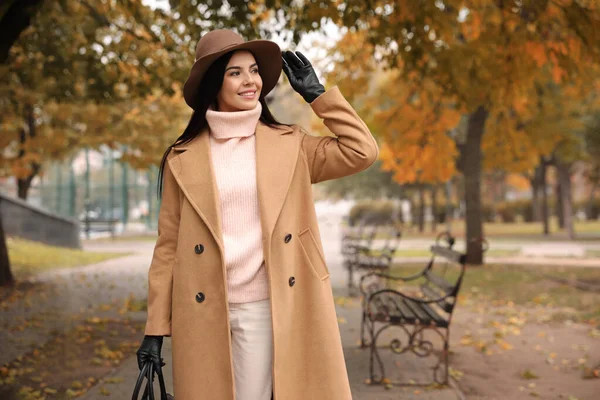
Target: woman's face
<point>242,83</point>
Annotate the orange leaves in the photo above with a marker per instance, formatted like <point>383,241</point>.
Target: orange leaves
<point>520,104</point>
<point>518,181</point>
<point>537,51</point>
<point>354,65</point>
<point>433,161</point>
<point>557,74</point>
<point>471,29</point>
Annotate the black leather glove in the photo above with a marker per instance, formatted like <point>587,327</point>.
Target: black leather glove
<point>301,75</point>
<point>150,350</point>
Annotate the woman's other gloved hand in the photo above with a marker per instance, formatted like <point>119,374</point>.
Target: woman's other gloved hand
<point>301,75</point>
<point>150,350</point>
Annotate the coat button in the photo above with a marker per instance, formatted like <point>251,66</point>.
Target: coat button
<point>292,281</point>
<point>288,237</point>
<point>200,297</point>
<point>199,249</point>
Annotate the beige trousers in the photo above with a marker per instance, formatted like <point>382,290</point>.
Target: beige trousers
<point>252,348</point>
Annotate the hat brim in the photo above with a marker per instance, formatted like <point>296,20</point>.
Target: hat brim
<point>266,53</point>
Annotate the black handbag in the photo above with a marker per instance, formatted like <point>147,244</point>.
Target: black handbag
<point>147,372</point>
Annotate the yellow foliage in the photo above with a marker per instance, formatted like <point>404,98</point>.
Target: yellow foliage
<point>533,75</point>
<point>518,181</point>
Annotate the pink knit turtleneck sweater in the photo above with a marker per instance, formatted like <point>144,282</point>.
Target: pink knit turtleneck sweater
<point>232,144</point>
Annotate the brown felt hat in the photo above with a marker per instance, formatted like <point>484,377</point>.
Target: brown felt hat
<point>215,43</point>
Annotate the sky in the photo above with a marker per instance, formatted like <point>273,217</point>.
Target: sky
<point>315,54</point>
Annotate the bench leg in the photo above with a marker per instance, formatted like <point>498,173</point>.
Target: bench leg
<point>374,356</point>
<point>440,370</point>
<point>363,341</point>
<point>351,288</point>
<point>445,355</point>
<point>416,344</point>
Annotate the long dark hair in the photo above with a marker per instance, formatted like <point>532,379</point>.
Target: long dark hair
<point>211,85</point>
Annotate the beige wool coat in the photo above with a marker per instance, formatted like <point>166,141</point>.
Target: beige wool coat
<point>187,294</point>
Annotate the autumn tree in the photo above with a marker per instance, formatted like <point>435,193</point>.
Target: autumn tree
<point>482,58</point>
<point>72,62</point>
<point>592,146</point>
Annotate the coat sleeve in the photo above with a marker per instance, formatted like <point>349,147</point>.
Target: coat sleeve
<point>160,274</point>
<point>352,150</point>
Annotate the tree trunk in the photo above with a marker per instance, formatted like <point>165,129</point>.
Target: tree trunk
<point>6,277</point>
<point>16,17</point>
<point>544,187</point>
<point>472,158</point>
<point>559,202</point>
<point>23,186</point>
<point>590,206</point>
<point>24,183</point>
<point>449,208</point>
<point>564,177</point>
<point>434,208</point>
<point>535,202</point>
<point>421,208</point>
<point>536,187</point>
<point>413,210</point>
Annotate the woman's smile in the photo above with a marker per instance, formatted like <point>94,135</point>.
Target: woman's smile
<point>249,94</point>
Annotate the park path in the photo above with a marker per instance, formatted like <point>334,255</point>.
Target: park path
<point>60,299</point>
<point>66,296</point>
<point>69,295</point>
<point>357,360</point>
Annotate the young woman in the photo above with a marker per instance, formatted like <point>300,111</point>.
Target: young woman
<point>238,277</point>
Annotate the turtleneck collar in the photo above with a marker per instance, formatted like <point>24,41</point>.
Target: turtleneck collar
<point>225,125</point>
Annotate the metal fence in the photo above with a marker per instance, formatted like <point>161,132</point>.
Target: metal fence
<point>108,196</point>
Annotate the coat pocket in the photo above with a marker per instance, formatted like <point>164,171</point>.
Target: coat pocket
<point>313,254</point>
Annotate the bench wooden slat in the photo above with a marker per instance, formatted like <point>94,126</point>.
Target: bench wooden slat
<point>385,306</point>
<point>431,293</point>
<point>394,304</point>
<point>439,281</point>
<point>406,311</point>
<point>418,311</point>
<point>449,254</point>
<point>439,320</point>
<point>427,314</point>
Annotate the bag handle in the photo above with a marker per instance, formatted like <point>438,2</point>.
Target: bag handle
<point>161,382</point>
<point>149,385</point>
<point>138,383</point>
<point>147,371</point>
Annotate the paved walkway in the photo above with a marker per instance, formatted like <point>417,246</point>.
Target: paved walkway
<point>62,298</point>
<point>72,294</point>
<point>357,360</point>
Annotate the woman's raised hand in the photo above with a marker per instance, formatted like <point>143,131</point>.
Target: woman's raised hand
<point>301,75</point>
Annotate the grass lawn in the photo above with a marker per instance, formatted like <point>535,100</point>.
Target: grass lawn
<point>592,253</point>
<point>527,285</point>
<point>129,238</point>
<point>427,253</point>
<point>29,258</point>
<point>586,230</point>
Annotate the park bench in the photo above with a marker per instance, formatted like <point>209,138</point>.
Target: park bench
<point>360,236</point>
<point>360,253</point>
<point>90,225</point>
<point>428,307</point>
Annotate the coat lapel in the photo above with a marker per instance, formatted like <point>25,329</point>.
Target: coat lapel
<point>276,156</point>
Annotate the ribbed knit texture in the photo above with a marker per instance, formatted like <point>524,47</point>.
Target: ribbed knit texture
<point>232,144</point>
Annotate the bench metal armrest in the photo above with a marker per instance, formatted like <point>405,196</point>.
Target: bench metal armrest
<point>415,299</point>
<point>404,279</point>
<point>392,291</point>
<point>383,275</point>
